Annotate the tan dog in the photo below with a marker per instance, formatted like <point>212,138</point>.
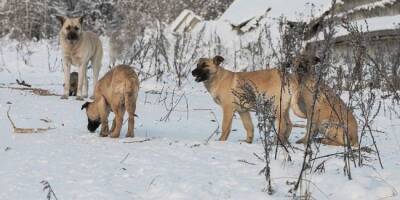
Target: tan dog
<point>79,48</point>
<point>221,82</point>
<point>117,91</point>
<point>332,118</point>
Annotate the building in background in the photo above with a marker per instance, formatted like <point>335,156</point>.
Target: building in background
<point>185,22</point>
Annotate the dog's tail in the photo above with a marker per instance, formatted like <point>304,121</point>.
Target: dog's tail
<point>296,105</point>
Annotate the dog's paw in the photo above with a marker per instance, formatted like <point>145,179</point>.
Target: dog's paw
<point>301,141</point>
<point>114,135</point>
<point>85,96</point>
<point>222,139</point>
<point>246,141</point>
<point>92,97</point>
<point>64,97</point>
<point>103,134</point>
<point>249,141</point>
<point>129,135</point>
<point>79,98</point>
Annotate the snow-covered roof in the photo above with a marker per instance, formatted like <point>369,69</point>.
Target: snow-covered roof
<point>372,5</point>
<point>184,20</point>
<point>373,24</point>
<point>241,10</point>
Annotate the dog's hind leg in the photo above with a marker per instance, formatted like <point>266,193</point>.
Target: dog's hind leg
<point>96,62</point>
<point>130,105</point>
<point>284,127</point>
<point>226,122</point>
<point>81,76</point>
<point>336,136</point>
<point>282,120</point>
<point>328,141</point>
<point>85,85</point>
<point>248,125</point>
<point>119,112</point>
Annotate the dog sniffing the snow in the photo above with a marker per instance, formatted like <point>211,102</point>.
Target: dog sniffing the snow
<point>116,92</point>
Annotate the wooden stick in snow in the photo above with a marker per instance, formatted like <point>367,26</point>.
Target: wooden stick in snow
<point>25,130</point>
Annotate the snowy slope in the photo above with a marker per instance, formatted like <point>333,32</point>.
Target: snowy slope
<point>168,159</point>
<point>174,164</point>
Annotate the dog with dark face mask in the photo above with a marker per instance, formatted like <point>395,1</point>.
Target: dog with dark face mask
<point>79,48</point>
<point>116,92</point>
<point>221,83</point>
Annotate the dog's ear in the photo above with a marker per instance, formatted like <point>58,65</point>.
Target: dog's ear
<point>218,60</point>
<point>85,105</point>
<point>81,19</point>
<point>61,19</point>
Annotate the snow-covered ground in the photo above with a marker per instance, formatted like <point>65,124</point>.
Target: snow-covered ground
<point>172,163</point>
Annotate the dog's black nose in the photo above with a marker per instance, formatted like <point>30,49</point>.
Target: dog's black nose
<point>93,125</point>
<point>195,72</point>
<point>72,36</point>
<point>91,129</point>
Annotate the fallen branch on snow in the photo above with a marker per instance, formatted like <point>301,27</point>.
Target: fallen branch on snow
<point>246,162</point>
<point>23,83</point>
<point>37,91</point>
<point>138,141</point>
<point>25,130</point>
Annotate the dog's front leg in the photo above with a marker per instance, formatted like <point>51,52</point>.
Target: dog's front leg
<point>104,128</point>
<point>104,111</point>
<point>119,115</point>
<point>113,125</point>
<point>96,70</point>
<point>81,76</point>
<point>226,122</point>
<point>67,69</point>
<point>85,85</point>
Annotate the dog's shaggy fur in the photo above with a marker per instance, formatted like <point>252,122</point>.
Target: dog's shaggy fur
<point>331,118</point>
<point>221,83</point>
<point>117,91</point>
<point>79,48</point>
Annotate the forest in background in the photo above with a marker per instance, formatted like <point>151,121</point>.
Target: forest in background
<point>35,19</point>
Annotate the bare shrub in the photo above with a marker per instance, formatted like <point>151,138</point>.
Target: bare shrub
<point>186,50</point>
<point>50,192</point>
<point>249,98</point>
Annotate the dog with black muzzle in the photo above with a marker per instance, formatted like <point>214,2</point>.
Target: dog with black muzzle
<point>79,48</point>
<point>221,83</point>
<point>116,92</point>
